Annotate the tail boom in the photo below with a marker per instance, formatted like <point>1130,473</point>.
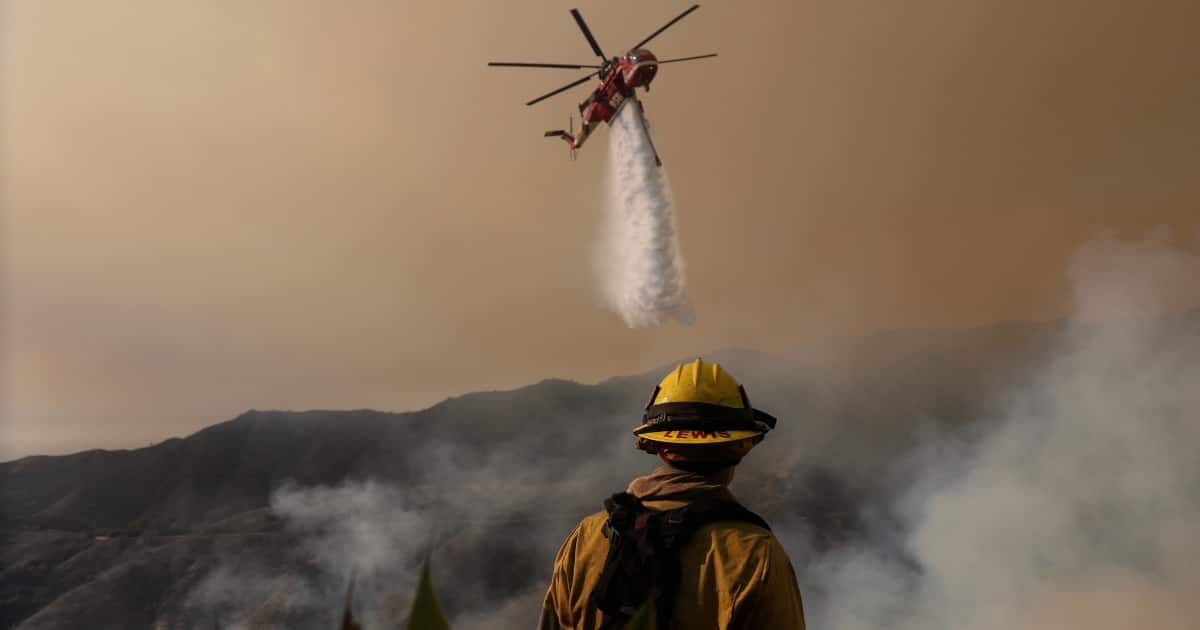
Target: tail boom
<point>566,136</point>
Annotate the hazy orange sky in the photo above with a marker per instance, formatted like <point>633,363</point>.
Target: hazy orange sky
<point>216,206</point>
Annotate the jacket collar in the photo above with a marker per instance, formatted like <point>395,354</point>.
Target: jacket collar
<point>670,483</point>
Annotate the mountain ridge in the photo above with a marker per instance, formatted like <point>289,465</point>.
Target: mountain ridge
<point>159,521</point>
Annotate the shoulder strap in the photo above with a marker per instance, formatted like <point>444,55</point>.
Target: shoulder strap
<point>680,524</point>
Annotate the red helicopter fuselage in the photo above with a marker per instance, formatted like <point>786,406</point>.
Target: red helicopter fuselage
<point>618,80</point>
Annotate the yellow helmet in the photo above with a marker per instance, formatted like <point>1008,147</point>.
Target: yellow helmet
<point>699,404</point>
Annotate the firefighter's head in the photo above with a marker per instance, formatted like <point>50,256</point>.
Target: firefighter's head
<point>699,417</point>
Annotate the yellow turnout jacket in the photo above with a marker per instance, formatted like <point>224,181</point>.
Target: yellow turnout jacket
<point>735,575</point>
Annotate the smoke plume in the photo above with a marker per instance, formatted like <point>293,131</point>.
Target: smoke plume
<point>366,529</point>
<point>1078,508</point>
<point>639,263</point>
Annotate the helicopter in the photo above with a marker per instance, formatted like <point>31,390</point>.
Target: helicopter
<point>619,77</point>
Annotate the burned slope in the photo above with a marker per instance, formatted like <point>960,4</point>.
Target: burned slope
<point>495,480</point>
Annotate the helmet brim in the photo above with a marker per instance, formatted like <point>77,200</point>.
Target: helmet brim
<point>685,436</point>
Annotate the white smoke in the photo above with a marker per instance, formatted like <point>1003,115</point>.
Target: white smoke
<point>639,263</point>
<point>1080,509</point>
<point>368,529</point>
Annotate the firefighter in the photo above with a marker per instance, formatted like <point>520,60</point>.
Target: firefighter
<point>676,540</point>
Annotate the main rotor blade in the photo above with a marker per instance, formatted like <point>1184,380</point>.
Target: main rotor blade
<point>665,27</point>
<point>561,89</point>
<point>521,64</point>
<point>662,61</point>
<point>588,34</point>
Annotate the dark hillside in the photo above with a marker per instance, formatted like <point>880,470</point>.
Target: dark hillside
<point>126,538</point>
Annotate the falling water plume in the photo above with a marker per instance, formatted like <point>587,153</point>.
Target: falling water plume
<point>639,263</point>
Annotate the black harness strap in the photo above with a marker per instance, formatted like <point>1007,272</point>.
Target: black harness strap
<point>643,553</point>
